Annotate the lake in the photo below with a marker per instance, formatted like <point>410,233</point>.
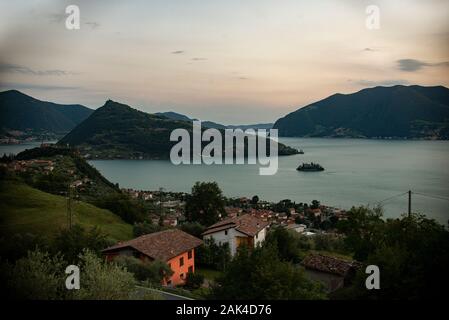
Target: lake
<point>358,172</point>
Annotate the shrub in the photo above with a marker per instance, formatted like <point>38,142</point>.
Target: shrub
<point>101,280</point>
<point>151,272</point>
<point>194,280</point>
<point>72,242</point>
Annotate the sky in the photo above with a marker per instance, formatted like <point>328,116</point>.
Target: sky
<point>232,62</point>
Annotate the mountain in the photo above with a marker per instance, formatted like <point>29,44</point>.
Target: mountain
<point>210,124</point>
<point>19,111</point>
<point>117,131</point>
<point>380,112</point>
<point>174,116</point>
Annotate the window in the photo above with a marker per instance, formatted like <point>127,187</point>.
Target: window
<point>226,232</point>
<point>182,275</point>
<point>181,261</point>
<point>191,269</point>
<point>189,254</point>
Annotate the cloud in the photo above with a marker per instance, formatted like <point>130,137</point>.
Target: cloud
<point>56,17</point>
<point>92,24</point>
<point>386,83</point>
<point>412,65</point>
<point>370,49</point>
<point>199,59</point>
<point>15,68</point>
<point>178,52</point>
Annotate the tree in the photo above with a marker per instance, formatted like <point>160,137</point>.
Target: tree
<point>412,253</point>
<point>315,204</point>
<point>41,276</point>
<point>38,276</point>
<point>362,230</point>
<point>206,203</point>
<point>72,242</point>
<point>101,280</point>
<point>146,227</point>
<point>259,274</point>
<point>213,255</point>
<point>122,205</point>
<point>152,272</point>
<point>193,228</point>
<point>286,243</point>
<point>194,280</point>
<point>255,200</point>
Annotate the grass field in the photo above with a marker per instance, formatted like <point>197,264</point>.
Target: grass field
<point>25,209</point>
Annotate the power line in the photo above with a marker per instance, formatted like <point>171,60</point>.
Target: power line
<point>431,196</point>
<point>392,197</point>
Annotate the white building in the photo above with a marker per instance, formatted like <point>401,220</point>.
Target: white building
<point>300,228</point>
<point>237,231</point>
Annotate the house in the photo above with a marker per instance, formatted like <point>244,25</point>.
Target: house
<point>172,246</point>
<point>334,273</point>
<point>236,231</point>
<point>300,228</point>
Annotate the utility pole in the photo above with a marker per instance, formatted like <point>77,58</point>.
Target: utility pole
<point>409,203</point>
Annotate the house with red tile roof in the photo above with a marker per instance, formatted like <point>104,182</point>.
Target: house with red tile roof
<point>333,273</point>
<point>242,230</point>
<point>173,246</point>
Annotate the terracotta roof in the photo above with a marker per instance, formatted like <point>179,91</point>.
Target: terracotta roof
<point>162,245</point>
<point>246,224</point>
<point>329,264</point>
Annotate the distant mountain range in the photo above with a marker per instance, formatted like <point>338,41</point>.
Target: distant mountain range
<point>19,111</point>
<point>210,124</point>
<point>380,112</point>
<point>117,131</point>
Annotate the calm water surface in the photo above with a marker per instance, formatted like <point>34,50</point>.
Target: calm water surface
<point>358,172</point>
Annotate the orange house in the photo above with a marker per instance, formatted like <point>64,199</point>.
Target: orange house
<point>172,246</point>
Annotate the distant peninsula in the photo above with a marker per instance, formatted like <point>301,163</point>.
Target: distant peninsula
<point>398,112</point>
<point>117,131</point>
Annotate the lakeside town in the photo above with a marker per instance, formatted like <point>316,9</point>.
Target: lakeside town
<point>193,245</point>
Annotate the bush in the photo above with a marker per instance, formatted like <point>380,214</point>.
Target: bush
<point>194,280</point>
<point>329,242</point>
<point>259,274</point>
<point>38,276</point>
<point>101,280</point>
<point>193,228</point>
<point>151,272</point>
<point>146,227</point>
<point>17,246</point>
<point>213,255</point>
<point>72,242</point>
<point>122,205</point>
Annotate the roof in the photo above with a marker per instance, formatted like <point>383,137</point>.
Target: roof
<point>246,224</point>
<point>329,264</point>
<point>162,245</point>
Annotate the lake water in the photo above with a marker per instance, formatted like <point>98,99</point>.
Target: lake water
<point>358,172</point>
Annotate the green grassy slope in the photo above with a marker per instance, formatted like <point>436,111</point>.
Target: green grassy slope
<point>25,209</point>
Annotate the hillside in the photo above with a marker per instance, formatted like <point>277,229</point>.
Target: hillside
<point>25,209</point>
<point>399,111</point>
<point>19,111</point>
<point>117,131</point>
<point>67,168</point>
<point>210,124</point>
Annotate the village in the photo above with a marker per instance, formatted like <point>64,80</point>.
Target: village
<point>170,231</point>
<point>302,218</point>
